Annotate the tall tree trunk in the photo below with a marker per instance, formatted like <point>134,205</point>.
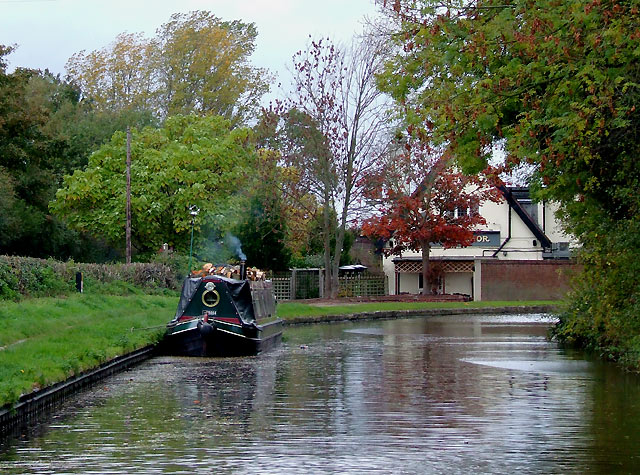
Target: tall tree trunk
<point>342,227</point>
<point>335,268</point>
<point>327,225</point>
<point>426,285</point>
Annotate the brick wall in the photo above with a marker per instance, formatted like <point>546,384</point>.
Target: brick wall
<point>526,280</point>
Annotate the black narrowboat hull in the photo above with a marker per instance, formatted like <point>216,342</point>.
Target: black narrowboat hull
<point>196,337</point>
<point>217,316</point>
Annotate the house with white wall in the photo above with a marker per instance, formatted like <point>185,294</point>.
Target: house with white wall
<point>517,230</point>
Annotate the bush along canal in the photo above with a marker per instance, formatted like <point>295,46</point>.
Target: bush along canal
<point>454,394</point>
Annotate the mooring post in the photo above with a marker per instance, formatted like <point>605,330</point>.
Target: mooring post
<point>79,283</point>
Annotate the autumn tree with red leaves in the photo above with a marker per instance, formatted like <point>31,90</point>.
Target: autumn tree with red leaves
<point>422,199</point>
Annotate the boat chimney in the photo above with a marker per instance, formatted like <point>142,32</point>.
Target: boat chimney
<point>243,269</point>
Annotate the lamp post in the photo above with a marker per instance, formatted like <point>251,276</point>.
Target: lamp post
<point>193,211</point>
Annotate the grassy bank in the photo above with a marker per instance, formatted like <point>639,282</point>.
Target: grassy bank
<point>46,340</point>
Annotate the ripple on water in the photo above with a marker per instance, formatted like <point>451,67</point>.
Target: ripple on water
<point>536,366</point>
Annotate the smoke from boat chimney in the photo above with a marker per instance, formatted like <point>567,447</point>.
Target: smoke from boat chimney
<point>236,245</point>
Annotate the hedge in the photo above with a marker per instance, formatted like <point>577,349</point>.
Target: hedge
<point>31,277</point>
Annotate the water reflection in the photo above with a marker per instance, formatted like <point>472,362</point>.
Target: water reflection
<point>449,394</point>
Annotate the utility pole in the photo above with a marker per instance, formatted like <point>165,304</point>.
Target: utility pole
<point>128,226</point>
<point>193,211</point>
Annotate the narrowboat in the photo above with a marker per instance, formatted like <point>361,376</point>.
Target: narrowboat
<point>221,316</point>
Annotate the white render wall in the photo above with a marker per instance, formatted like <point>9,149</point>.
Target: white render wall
<point>458,283</point>
<point>408,284</point>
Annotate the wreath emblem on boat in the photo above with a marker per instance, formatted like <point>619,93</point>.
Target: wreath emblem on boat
<point>210,297</point>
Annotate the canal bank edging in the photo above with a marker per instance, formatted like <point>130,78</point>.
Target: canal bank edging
<point>393,314</point>
<point>31,406</point>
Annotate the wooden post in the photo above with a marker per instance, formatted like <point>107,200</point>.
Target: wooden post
<point>79,283</point>
<point>128,225</point>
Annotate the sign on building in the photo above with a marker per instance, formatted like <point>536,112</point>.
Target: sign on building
<point>486,238</point>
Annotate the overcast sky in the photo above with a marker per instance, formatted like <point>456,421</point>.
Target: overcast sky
<point>48,32</point>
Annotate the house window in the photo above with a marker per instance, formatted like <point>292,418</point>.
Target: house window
<point>527,204</point>
<point>473,210</point>
<point>462,212</point>
<point>531,208</point>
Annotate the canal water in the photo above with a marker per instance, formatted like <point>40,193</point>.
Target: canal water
<point>455,394</point>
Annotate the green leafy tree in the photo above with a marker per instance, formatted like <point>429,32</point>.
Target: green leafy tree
<point>119,76</point>
<point>263,234</point>
<point>197,63</point>
<point>75,128</point>
<point>189,161</point>
<point>314,245</point>
<point>554,84</point>
<point>30,163</point>
<point>202,64</point>
<point>298,204</point>
<point>45,132</point>
<point>262,223</point>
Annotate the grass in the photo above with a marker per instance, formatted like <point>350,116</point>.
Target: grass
<point>44,341</point>
<point>289,310</point>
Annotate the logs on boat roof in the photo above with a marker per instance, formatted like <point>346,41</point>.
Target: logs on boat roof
<point>230,271</point>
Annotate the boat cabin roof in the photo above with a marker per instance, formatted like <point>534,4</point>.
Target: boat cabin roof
<point>234,296</point>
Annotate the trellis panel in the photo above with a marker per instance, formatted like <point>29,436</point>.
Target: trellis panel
<point>415,267</point>
<point>307,285</point>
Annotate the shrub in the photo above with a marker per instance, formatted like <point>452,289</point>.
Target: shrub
<point>603,313</point>
<point>30,277</point>
<point>8,282</point>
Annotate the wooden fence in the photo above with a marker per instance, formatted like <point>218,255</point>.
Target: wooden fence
<point>309,283</point>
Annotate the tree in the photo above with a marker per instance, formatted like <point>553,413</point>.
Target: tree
<point>117,77</point>
<point>77,128</point>
<point>554,84</point>
<point>45,132</point>
<point>196,63</point>
<point>189,161</point>
<point>421,200</point>
<point>262,227</point>
<point>314,244</point>
<point>298,206</point>
<point>30,163</point>
<point>333,130</point>
<point>203,66</point>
